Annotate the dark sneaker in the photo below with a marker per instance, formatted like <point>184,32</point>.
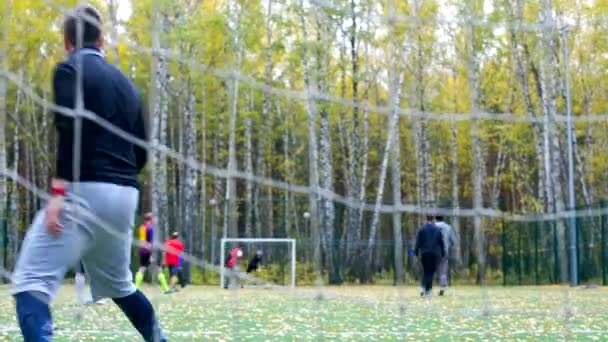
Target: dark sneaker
<point>441,292</point>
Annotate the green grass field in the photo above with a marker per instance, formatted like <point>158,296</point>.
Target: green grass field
<point>350,313</point>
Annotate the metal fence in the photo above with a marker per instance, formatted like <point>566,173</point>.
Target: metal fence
<point>530,252</point>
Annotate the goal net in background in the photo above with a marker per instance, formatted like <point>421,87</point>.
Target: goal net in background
<point>268,261</point>
<point>342,124</point>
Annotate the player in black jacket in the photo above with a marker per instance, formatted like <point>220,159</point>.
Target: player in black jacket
<point>254,263</point>
<point>430,249</point>
<point>98,178</point>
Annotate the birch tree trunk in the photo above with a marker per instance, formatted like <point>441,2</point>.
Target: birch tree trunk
<point>4,64</point>
<point>343,137</point>
<point>158,131</point>
<point>582,154</point>
<point>286,160</point>
<point>522,74</point>
<point>356,233</point>
<point>421,140</point>
<point>163,210</point>
<point>29,155</point>
<point>230,215</point>
<point>328,215</point>
<point>266,146</point>
<point>455,188</point>
<point>313,159</point>
<point>112,9</point>
<point>396,79</point>
<point>473,74</point>
<point>36,160</point>
<point>203,181</point>
<point>12,234</point>
<point>354,188</point>
<point>548,68</point>
<point>14,207</point>
<point>45,163</point>
<point>249,170</point>
<point>30,204</point>
<point>583,157</point>
<point>175,169</point>
<point>217,192</point>
<point>397,228</point>
<point>454,167</point>
<point>587,153</point>
<point>501,160</point>
<point>293,221</point>
<point>189,179</point>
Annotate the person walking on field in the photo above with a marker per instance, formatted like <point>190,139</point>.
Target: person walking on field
<point>103,190</point>
<point>174,250</point>
<point>450,239</point>
<point>430,249</point>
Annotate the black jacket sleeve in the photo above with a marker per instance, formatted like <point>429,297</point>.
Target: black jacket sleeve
<point>64,95</point>
<point>64,92</point>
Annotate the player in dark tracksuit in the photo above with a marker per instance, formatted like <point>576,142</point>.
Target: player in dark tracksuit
<point>430,249</point>
<point>254,263</point>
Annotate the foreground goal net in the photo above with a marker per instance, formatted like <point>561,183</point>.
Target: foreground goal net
<point>276,256</point>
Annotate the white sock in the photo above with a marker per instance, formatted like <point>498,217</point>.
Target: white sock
<point>80,288</point>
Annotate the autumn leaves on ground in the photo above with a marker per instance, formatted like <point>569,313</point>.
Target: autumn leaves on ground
<point>343,314</point>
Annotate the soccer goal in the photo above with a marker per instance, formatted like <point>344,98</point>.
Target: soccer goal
<point>273,251</point>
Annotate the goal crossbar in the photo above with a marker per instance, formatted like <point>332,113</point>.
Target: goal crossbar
<point>292,242</point>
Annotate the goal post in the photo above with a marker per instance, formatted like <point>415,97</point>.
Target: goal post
<point>290,242</point>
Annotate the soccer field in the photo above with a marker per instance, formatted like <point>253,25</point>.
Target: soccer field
<point>371,313</point>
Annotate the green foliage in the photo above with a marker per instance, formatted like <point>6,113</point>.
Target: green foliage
<point>433,55</point>
<point>203,276</point>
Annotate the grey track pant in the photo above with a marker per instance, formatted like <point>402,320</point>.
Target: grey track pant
<point>443,272</point>
<point>105,249</point>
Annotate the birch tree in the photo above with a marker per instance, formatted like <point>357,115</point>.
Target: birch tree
<point>397,227</point>
<point>249,169</point>
<point>4,64</point>
<point>313,172</point>
<point>354,248</point>
<point>230,215</point>
<point>325,158</point>
<point>189,177</point>
<point>112,11</point>
<point>13,224</point>
<point>396,78</point>
<point>521,69</point>
<point>548,66</point>
<point>473,75</point>
<point>158,130</point>
<point>263,212</point>
<point>203,178</point>
<point>424,177</point>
